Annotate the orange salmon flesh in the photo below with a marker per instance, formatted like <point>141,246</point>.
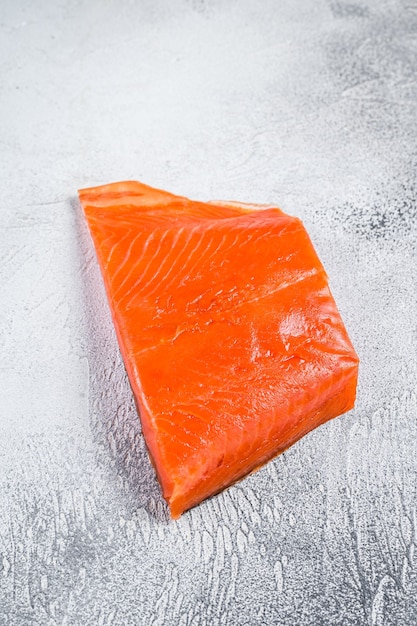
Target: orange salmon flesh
<point>231,339</point>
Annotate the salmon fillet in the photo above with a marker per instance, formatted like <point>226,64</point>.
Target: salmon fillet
<point>231,339</point>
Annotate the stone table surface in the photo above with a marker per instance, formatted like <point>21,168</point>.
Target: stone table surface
<point>307,104</point>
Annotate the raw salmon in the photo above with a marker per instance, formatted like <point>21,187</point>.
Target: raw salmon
<point>232,341</point>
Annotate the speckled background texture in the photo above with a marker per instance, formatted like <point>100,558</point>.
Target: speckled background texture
<point>307,104</point>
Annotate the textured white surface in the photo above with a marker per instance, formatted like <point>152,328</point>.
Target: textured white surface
<point>310,105</point>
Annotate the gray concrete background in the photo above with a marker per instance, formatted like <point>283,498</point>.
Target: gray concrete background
<point>310,105</point>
